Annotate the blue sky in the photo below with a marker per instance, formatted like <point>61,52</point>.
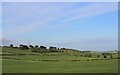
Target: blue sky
<point>77,25</point>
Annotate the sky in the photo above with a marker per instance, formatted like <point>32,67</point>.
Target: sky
<point>76,25</point>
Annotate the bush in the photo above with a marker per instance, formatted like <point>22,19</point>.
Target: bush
<point>105,56</point>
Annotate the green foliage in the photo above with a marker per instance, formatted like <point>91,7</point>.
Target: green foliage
<point>11,45</point>
<point>24,47</point>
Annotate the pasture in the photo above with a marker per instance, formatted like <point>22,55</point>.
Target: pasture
<point>19,61</point>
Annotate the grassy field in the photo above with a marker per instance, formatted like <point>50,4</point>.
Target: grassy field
<point>55,63</point>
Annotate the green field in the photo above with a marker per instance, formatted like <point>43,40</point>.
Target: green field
<point>30,62</point>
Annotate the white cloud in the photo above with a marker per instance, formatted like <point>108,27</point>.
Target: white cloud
<point>44,13</point>
<point>91,11</point>
<point>23,29</point>
<point>31,10</point>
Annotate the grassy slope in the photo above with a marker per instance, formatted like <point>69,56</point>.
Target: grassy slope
<point>26,65</point>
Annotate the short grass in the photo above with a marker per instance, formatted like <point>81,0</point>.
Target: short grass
<point>99,66</point>
<point>34,63</point>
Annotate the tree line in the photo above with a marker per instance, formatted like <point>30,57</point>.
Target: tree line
<point>38,48</point>
<point>43,49</point>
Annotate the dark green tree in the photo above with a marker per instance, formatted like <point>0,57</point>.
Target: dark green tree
<point>98,56</point>
<point>105,56</point>
<point>52,49</point>
<point>11,45</point>
<point>111,56</point>
<point>23,47</point>
<point>36,46</point>
<point>43,49</point>
<point>31,46</point>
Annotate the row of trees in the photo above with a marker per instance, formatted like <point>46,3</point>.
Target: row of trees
<point>37,48</point>
<point>41,49</point>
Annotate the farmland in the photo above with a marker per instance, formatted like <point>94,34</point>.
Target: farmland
<point>25,61</point>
